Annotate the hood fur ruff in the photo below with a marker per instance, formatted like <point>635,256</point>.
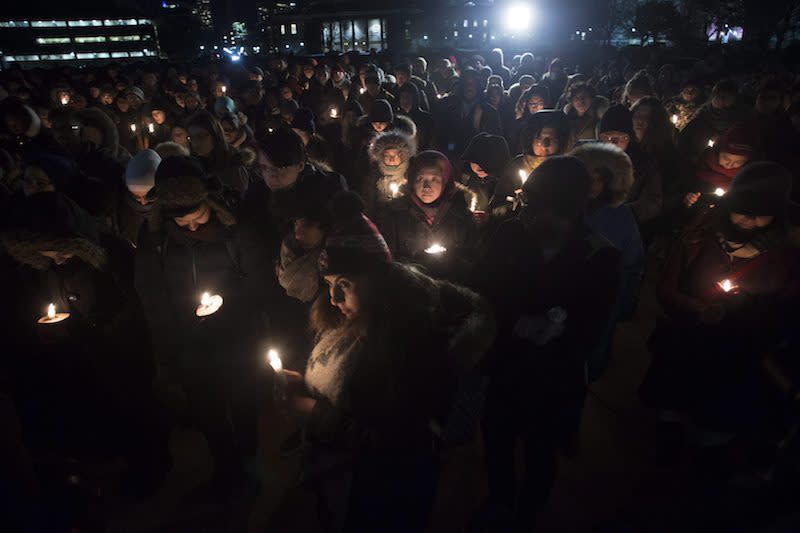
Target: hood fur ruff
<point>392,139</point>
<point>602,156</point>
<point>24,246</point>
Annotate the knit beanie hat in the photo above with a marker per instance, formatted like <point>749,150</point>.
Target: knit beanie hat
<point>140,175</point>
<point>135,91</point>
<point>759,189</point>
<point>738,140</point>
<point>560,184</point>
<point>224,104</point>
<point>617,118</point>
<point>489,151</point>
<point>355,245</point>
<point>381,111</point>
<point>180,186</point>
<point>303,120</point>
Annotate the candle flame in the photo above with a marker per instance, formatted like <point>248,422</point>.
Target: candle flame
<point>224,89</point>
<point>64,99</point>
<point>133,128</point>
<point>51,311</point>
<point>334,112</point>
<point>205,299</point>
<point>435,248</point>
<point>395,188</point>
<point>274,360</point>
<point>711,143</point>
<point>151,127</point>
<point>473,205</point>
<point>439,96</point>
<point>726,285</point>
<point>719,191</point>
<point>362,90</point>
<point>270,130</point>
<point>674,119</point>
<point>523,176</point>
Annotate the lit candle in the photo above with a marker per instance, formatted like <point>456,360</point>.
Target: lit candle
<point>473,205</point>
<point>674,119</point>
<point>523,176</point>
<point>151,128</point>
<point>362,90</point>
<point>133,128</point>
<point>275,362</point>
<point>334,113</point>
<point>224,89</point>
<point>270,130</point>
<point>64,99</point>
<point>435,249</point>
<point>440,96</point>
<point>719,191</point>
<point>52,317</point>
<point>727,285</point>
<point>711,143</point>
<point>209,304</point>
<point>395,188</point>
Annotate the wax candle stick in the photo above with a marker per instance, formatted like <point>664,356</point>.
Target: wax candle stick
<point>51,317</point>
<point>209,304</point>
<point>334,113</point>
<point>274,360</point>
<point>727,285</point>
<point>522,175</point>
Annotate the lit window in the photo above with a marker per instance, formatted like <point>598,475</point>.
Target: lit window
<point>466,23</point>
<point>11,59</point>
<point>455,33</point>
<point>120,22</point>
<point>84,23</point>
<point>34,57</point>
<point>124,38</point>
<point>48,24</point>
<point>485,23</point>
<point>14,24</point>
<point>293,28</point>
<point>137,54</point>
<point>119,54</point>
<point>145,21</point>
<point>283,29</point>
<point>58,57</point>
<point>474,23</point>
<point>95,39</point>
<point>52,40</point>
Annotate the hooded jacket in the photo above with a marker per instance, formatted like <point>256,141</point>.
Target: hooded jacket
<point>387,182</point>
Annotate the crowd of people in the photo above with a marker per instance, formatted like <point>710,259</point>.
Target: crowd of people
<point>438,251</point>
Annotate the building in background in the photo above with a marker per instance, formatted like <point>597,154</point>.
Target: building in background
<point>202,10</point>
<point>90,37</point>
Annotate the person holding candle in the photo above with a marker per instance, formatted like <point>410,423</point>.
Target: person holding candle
<point>433,212</point>
<point>584,109</point>
<point>389,154</point>
<point>380,118</point>
<point>553,282</point>
<point>686,104</point>
<point>545,134</point>
<point>534,99</point>
<point>729,288</point>
<point>131,208</point>
<point>83,385</point>
<point>391,346</point>
<point>196,246</point>
<point>722,162</point>
<point>160,111</point>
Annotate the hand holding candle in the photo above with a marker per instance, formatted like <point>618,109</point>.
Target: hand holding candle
<point>64,99</point>
<point>224,89</point>
<point>151,128</point>
<point>209,304</point>
<point>727,285</point>
<point>334,113</point>
<point>133,128</point>
<point>435,249</point>
<point>523,176</point>
<point>674,119</point>
<point>52,317</point>
<point>395,189</point>
<point>710,143</point>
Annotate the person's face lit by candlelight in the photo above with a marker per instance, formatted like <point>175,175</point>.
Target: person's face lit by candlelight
<point>344,295</point>
<point>750,222</point>
<point>140,197</point>
<point>276,177</point>
<point>107,98</point>
<point>229,130</point>
<point>641,121</point>
<point>180,136</point>
<point>428,185</point>
<point>582,101</point>
<point>159,117</point>
<point>123,105</point>
<point>192,221</point>
<point>731,161</point>
<point>618,138</point>
<point>391,157</point>
<point>379,126</point>
<point>286,93</point>
<point>534,104</point>
<point>690,93</point>
<point>546,143</point>
<point>201,141</point>
<point>57,256</point>
<point>308,234</point>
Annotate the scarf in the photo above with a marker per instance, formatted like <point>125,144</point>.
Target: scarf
<point>298,273</point>
<point>330,368</point>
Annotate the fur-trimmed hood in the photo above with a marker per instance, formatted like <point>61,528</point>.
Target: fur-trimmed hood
<point>401,123</point>
<point>92,116</point>
<point>613,164</point>
<point>50,221</point>
<point>392,139</point>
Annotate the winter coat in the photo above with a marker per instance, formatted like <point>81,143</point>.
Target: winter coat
<point>645,197</point>
<point>408,234</point>
<point>543,381</point>
<point>234,173</point>
<point>175,266</point>
<point>709,123</point>
<point>127,216</point>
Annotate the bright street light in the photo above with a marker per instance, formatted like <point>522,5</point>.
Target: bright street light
<point>519,17</point>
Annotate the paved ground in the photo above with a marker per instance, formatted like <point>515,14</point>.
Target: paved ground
<point>613,483</point>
